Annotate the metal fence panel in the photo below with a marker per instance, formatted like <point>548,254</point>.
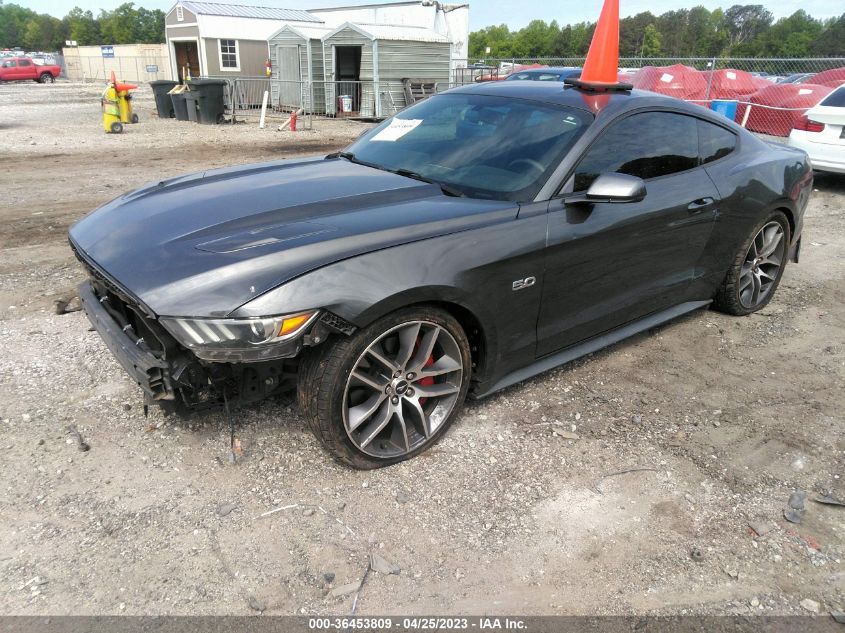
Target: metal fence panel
<point>139,69</point>
<point>334,99</point>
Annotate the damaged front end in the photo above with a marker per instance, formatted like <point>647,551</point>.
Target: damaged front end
<point>186,365</point>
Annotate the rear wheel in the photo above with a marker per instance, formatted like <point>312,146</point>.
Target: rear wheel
<point>46,78</point>
<point>390,391</point>
<point>134,118</point>
<point>116,127</point>
<point>757,268</point>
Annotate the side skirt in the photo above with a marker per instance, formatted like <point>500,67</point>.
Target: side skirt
<point>592,345</point>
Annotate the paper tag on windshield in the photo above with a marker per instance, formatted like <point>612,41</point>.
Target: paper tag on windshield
<point>397,129</point>
<point>666,77</point>
<point>731,75</point>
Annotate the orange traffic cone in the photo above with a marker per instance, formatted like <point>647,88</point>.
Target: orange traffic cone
<point>121,87</point>
<point>602,64</point>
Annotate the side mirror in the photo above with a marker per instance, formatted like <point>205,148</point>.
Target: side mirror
<point>613,187</point>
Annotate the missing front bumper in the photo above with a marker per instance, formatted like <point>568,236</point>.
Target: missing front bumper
<point>151,373</point>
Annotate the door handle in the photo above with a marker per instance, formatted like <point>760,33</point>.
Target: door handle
<point>701,203</point>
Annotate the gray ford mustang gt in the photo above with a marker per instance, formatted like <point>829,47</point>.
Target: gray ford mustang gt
<point>475,239</point>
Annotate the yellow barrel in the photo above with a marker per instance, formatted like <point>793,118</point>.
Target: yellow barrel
<point>111,111</point>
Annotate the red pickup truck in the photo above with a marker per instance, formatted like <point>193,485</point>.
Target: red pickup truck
<point>23,68</point>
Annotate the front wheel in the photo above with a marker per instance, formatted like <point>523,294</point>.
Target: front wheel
<point>390,391</point>
<point>757,268</point>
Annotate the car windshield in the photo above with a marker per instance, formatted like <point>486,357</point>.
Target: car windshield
<point>835,99</point>
<point>475,145</point>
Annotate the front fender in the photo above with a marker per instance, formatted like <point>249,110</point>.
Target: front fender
<point>473,269</point>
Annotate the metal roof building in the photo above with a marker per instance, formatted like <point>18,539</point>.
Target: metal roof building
<point>362,65</point>
<point>233,40</point>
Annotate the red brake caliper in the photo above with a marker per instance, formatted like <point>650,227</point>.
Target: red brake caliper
<point>428,380</point>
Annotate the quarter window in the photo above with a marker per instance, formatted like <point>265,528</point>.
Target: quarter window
<point>229,54</point>
<point>715,141</point>
<point>646,145</point>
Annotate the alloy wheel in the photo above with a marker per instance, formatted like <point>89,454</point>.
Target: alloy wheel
<point>402,389</point>
<point>762,265</point>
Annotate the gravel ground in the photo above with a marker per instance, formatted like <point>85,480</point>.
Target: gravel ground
<point>648,478</point>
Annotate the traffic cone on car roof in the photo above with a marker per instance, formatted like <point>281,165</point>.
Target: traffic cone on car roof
<point>601,67</point>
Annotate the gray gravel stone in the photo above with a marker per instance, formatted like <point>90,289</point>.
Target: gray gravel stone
<point>381,565</point>
<point>796,500</point>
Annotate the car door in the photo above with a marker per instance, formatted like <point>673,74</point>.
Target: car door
<point>25,70</point>
<point>611,263</point>
<point>10,69</point>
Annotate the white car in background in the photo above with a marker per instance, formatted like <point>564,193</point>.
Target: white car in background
<point>821,133</point>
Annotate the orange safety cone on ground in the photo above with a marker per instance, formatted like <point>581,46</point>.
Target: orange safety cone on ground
<point>121,87</point>
<point>601,68</point>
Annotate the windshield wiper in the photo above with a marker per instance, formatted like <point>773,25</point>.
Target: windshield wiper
<point>447,189</point>
<point>341,154</point>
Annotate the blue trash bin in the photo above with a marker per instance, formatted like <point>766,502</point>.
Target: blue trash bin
<point>725,108</point>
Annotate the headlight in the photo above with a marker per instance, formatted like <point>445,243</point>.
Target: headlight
<point>238,339</point>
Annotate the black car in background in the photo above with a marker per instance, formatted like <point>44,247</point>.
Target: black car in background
<point>475,239</point>
<point>545,74</point>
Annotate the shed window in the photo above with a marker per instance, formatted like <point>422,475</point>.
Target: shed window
<point>180,13</point>
<point>229,55</point>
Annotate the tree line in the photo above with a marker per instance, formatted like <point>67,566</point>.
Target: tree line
<point>740,31</point>
<point>33,31</point>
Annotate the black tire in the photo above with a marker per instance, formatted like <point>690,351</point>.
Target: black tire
<point>325,371</point>
<point>46,78</point>
<point>134,118</point>
<point>729,298</point>
<point>117,127</point>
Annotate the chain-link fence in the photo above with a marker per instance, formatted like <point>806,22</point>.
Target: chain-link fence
<point>245,98</point>
<point>769,96</point>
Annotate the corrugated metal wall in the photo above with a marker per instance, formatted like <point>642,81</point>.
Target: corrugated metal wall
<point>313,75</point>
<point>398,60</point>
<point>350,37</point>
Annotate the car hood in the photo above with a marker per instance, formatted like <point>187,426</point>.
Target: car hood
<point>204,244</point>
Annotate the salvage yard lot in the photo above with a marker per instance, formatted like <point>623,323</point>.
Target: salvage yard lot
<point>651,477</point>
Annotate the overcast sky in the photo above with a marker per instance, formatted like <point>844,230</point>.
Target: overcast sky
<point>515,14</point>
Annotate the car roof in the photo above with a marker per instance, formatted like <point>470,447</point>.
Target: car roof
<point>548,69</point>
<point>557,94</point>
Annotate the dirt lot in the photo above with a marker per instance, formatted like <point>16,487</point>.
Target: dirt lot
<point>524,508</point>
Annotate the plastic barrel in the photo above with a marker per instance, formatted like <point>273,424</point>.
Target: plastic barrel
<point>180,107</point>
<point>725,108</point>
<point>164,104</point>
<point>210,99</point>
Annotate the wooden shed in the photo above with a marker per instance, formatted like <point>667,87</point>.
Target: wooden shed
<point>365,60</point>
<point>297,54</point>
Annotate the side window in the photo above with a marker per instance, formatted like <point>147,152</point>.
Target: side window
<point>715,141</point>
<point>646,145</point>
<point>25,62</point>
<point>11,64</point>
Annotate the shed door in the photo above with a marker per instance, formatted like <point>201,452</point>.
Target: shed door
<point>290,90</point>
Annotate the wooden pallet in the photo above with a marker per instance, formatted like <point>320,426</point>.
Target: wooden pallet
<point>417,89</point>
